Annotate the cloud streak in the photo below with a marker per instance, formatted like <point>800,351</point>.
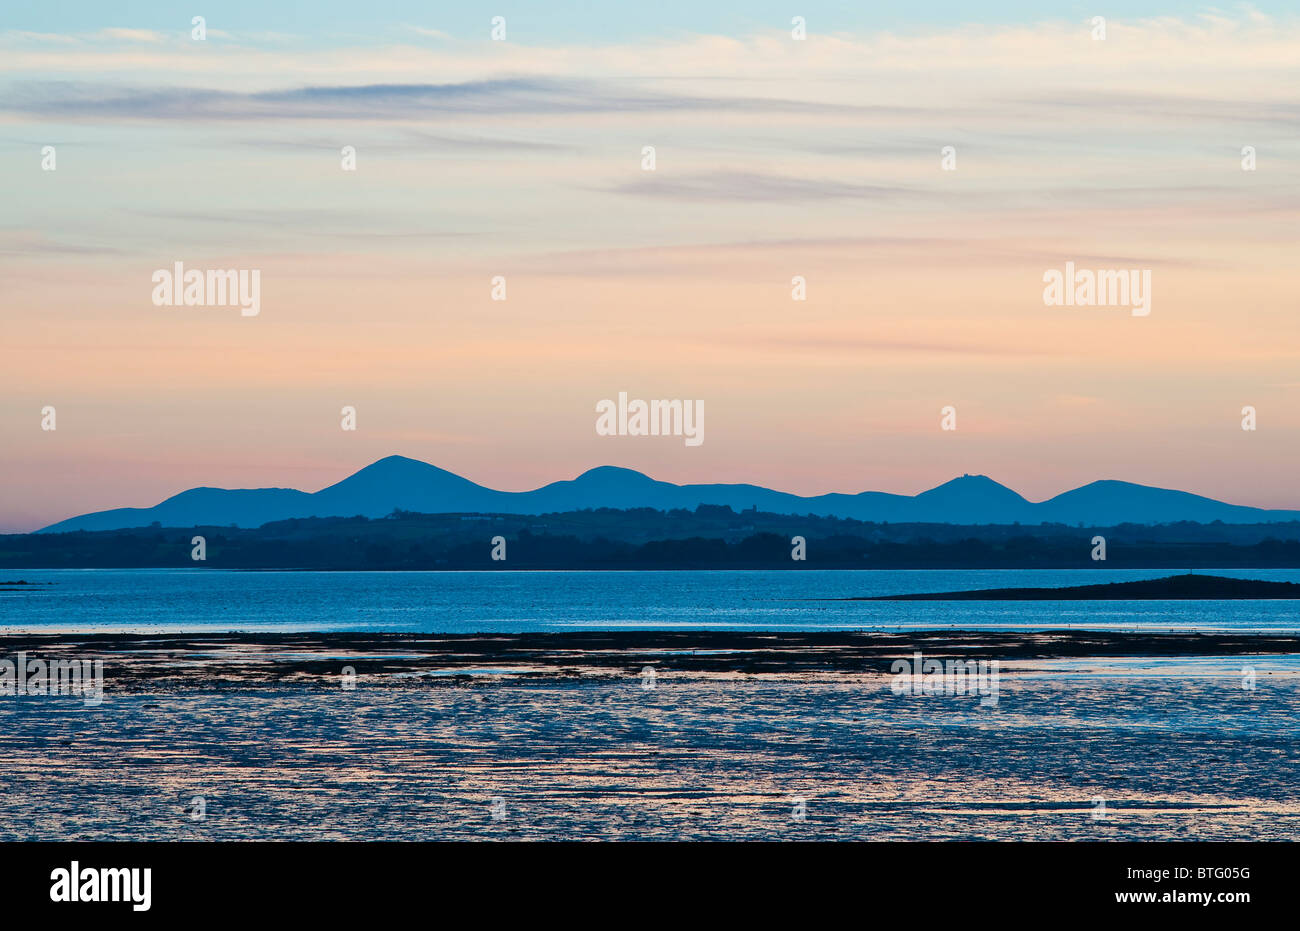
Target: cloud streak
<point>747,186</point>
<point>507,96</point>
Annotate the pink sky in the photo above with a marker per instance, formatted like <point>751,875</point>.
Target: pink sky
<point>924,286</point>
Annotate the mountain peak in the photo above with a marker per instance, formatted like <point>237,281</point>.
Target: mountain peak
<point>968,484</point>
<point>609,473</point>
<point>400,470</point>
<point>391,463</point>
<point>406,484</point>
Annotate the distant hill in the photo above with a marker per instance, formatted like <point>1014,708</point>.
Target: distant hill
<point>399,483</point>
<point>710,537</point>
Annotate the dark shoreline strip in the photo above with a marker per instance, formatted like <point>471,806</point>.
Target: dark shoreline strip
<point>243,660</point>
<point>1171,588</point>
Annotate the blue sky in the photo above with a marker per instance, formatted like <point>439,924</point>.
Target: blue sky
<point>569,20</point>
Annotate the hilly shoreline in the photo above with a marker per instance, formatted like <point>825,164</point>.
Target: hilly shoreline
<point>709,537</point>
<point>396,484</point>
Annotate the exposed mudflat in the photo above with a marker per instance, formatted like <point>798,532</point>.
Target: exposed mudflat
<point>563,731</point>
<point>244,660</point>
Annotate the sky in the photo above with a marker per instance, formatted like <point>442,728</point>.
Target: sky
<point>522,158</point>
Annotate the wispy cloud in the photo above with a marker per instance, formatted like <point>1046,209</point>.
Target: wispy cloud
<point>843,343</point>
<point>347,224</point>
<point>412,141</point>
<point>429,33</point>
<point>133,35</point>
<point>751,186</point>
<point>1173,107</point>
<point>372,101</point>
<point>23,243</point>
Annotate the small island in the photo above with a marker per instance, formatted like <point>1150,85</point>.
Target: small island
<point>20,585</point>
<point>1175,587</point>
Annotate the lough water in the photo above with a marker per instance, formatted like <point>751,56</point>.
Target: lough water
<point>211,600</point>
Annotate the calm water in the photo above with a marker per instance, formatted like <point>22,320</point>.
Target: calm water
<point>168,600</point>
<point>694,759</point>
<point>1175,747</point>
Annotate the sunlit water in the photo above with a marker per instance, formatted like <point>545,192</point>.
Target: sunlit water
<point>1116,748</point>
<point>1057,759</point>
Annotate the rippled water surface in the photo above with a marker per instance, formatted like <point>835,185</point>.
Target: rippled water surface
<point>1077,748</point>
<point>206,599</point>
<point>692,758</point>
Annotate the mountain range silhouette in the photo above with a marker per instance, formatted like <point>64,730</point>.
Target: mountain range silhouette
<point>400,483</point>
